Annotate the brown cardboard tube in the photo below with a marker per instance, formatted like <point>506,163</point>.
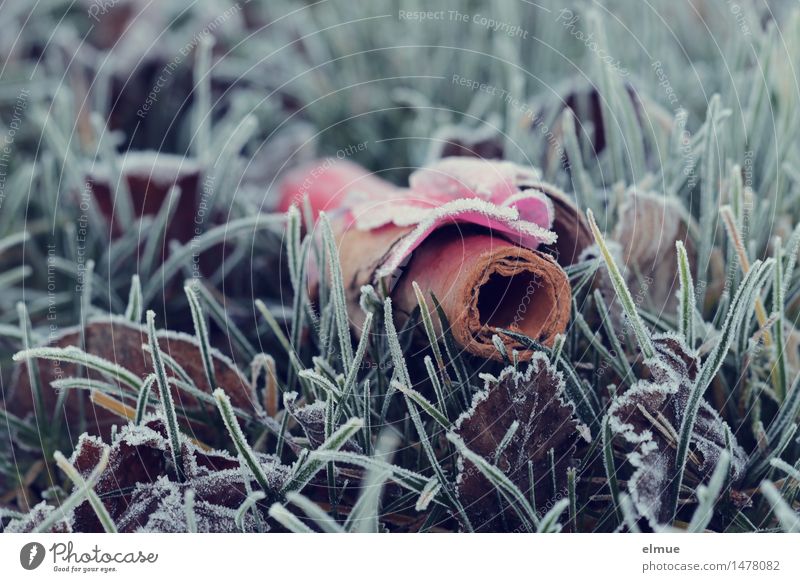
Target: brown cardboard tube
<point>486,284</point>
<point>486,281</point>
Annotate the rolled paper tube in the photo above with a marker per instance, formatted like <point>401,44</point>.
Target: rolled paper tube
<point>486,284</point>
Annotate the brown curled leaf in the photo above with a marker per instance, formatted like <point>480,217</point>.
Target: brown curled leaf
<point>648,417</point>
<point>648,228</point>
<point>120,341</point>
<point>139,490</point>
<point>536,400</point>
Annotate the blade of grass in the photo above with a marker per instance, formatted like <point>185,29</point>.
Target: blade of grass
<point>742,303</point>
<point>707,495</point>
<point>82,492</point>
<point>686,305</point>
<point>251,501</point>
<point>74,355</point>
<point>287,519</point>
<point>787,517</point>
<point>314,512</point>
<point>144,397</point>
<point>303,472</point>
<point>34,378</point>
<point>240,441</point>
<point>549,523</point>
<point>623,293</point>
<point>610,468</point>
<point>423,403</point>
<point>165,395</point>
<point>339,300</point>
<point>188,510</point>
<point>510,492</point>
<point>133,312</point>
<point>201,333</point>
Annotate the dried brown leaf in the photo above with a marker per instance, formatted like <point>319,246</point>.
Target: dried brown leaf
<point>536,400</point>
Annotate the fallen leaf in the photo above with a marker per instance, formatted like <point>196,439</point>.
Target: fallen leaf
<point>120,341</point>
<point>536,400</point>
<point>648,417</point>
